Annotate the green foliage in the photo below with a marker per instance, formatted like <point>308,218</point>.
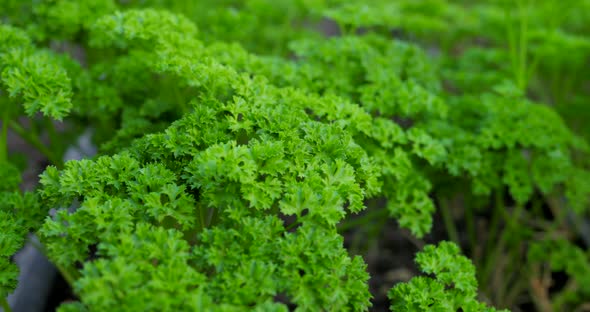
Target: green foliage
<point>263,26</point>
<point>33,77</point>
<point>19,214</point>
<point>453,287</point>
<point>11,238</point>
<point>253,164</point>
<point>235,140</point>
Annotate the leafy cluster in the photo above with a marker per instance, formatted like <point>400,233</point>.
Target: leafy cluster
<point>32,77</point>
<point>20,213</point>
<point>236,137</point>
<point>216,182</point>
<point>453,288</point>
<point>351,70</point>
<point>11,239</point>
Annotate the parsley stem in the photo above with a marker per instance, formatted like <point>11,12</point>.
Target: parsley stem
<point>495,222</point>
<point>65,273</point>
<point>362,220</point>
<point>445,211</point>
<point>4,139</point>
<point>493,229</point>
<point>5,306</point>
<point>511,42</point>
<point>492,259</point>
<point>517,288</point>
<point>213,217</point>
<point>533,66</point>
<point>518,43</point>
<point>292,225</point>
<point>470,224</point>
<point>201,217</point>
<point>51,132</point>
<point>559,214</point>
<point>34,140</point>
<point>522,71</point>
<point>513,272</point>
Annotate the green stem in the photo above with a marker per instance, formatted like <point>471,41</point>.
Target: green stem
<point>355,246</point>
<point>292,225</point>
<point>495,223</point>
<point>34,140</point>
<point>517,288</point>
<point>522,77</point>
<point>559,214</point>
<point>210,216</point>
<point>4,304</point>
<point>470,222</point>
<point>449,222</point>
<point>533,67</point>
<point>67,274</point>
<point>4,139</point>
<point>50,127</point>
<point>514,269</point>
<point>362,220</point>
<point>491,259</point>
<point>202,217</point>
<point>378,228</point>
<point>366,238</point>
<point>518,43</point>
<point>511,41</point>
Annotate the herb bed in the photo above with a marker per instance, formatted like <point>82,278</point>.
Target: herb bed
<point>249,161</point>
